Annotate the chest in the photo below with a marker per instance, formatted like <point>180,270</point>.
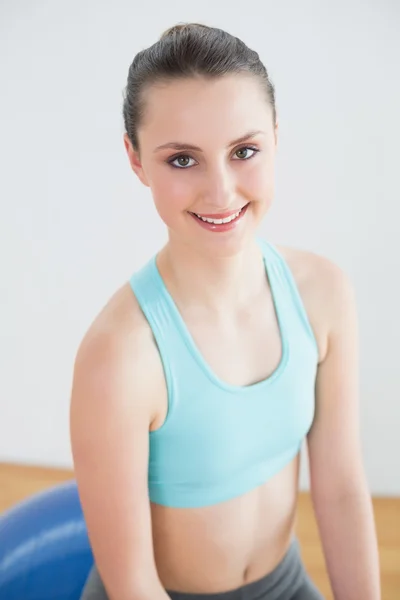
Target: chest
<point>240,349</point>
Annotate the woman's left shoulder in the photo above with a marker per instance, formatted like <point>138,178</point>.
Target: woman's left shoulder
<point>314,270</point>
<point>326,290</point>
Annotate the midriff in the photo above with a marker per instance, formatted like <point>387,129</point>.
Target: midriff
<point>222,547</point>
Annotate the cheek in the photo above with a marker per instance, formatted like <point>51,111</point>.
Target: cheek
<point>258,182</point>
<point>171,191</point>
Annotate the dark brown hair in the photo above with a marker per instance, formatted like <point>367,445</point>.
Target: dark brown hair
<point>188,50</point>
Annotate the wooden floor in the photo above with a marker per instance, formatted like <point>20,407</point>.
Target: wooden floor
<point>18,482</point>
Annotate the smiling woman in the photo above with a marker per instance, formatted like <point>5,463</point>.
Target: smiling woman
<point>198,382</point>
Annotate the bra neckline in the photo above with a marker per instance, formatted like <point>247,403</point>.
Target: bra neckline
<point>194,350</point>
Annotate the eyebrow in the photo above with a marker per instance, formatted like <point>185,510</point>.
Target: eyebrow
<point>182,146</point>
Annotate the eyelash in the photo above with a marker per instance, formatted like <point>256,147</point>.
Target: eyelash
<point>174,158</point>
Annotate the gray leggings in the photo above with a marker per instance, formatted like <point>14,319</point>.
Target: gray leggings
<point>288,581</point>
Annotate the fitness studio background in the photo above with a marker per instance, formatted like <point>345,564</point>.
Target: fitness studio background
<point>75,221</point>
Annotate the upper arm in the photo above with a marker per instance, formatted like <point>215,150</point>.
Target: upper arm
<point>109,428</point>
<point>334,445</point>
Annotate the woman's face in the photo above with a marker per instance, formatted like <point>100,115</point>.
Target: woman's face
<point>207,148</point>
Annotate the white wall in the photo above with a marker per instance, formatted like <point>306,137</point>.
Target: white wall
<point>75,222</point>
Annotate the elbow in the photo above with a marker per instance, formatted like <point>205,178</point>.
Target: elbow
<point>341,484</point>
<point>340,494</point>
<point>136,590</point>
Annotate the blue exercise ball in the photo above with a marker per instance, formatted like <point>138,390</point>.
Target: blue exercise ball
<point>45,552</point>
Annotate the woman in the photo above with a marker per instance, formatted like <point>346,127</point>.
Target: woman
<point>197,383</point>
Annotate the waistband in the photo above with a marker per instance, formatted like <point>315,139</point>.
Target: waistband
<point>279,584</point>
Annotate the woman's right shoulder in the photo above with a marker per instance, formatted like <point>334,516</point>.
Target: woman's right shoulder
<point>118,353</point>
<point>120,324</point>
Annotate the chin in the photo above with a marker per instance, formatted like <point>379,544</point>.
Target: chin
<point>224,245</point>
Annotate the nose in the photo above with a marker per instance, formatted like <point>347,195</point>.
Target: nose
<point>219,190</point>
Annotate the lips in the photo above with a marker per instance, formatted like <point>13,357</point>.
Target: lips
<point>224,215</point>
<point>220,225</point>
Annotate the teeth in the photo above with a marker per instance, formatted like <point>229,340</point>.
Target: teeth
<point>220,221</point>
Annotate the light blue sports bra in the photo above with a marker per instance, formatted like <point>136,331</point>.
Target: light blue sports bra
<point>220,440</point>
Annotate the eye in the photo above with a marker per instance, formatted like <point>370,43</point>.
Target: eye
<point>244,150</point>
<point>182,161</point>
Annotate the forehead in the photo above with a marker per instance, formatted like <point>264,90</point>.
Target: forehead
<point>196,109</point>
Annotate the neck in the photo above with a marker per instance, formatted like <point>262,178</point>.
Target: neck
<point>216,283</point>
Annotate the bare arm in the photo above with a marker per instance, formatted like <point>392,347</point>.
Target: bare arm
<point>339,489</point>
<point>109,421</point>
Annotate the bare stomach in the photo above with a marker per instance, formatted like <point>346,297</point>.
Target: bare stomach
<point>222,547</point>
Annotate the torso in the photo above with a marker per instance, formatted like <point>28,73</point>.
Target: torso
<point>222,547</point>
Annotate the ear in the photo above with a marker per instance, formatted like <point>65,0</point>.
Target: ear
<point>276,132</point>
<point>135,162</point>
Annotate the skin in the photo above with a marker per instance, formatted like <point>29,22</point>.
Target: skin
<point>119,391</point>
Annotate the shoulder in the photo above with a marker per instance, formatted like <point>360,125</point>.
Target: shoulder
<point>314,270</point>
<point>120,326</point>
<point>117,355</point>
<point>325,288</point>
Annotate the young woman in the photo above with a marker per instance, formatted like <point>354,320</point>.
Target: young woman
<point>197,383</point>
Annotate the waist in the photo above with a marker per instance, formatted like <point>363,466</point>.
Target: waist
<point>279,584</point>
